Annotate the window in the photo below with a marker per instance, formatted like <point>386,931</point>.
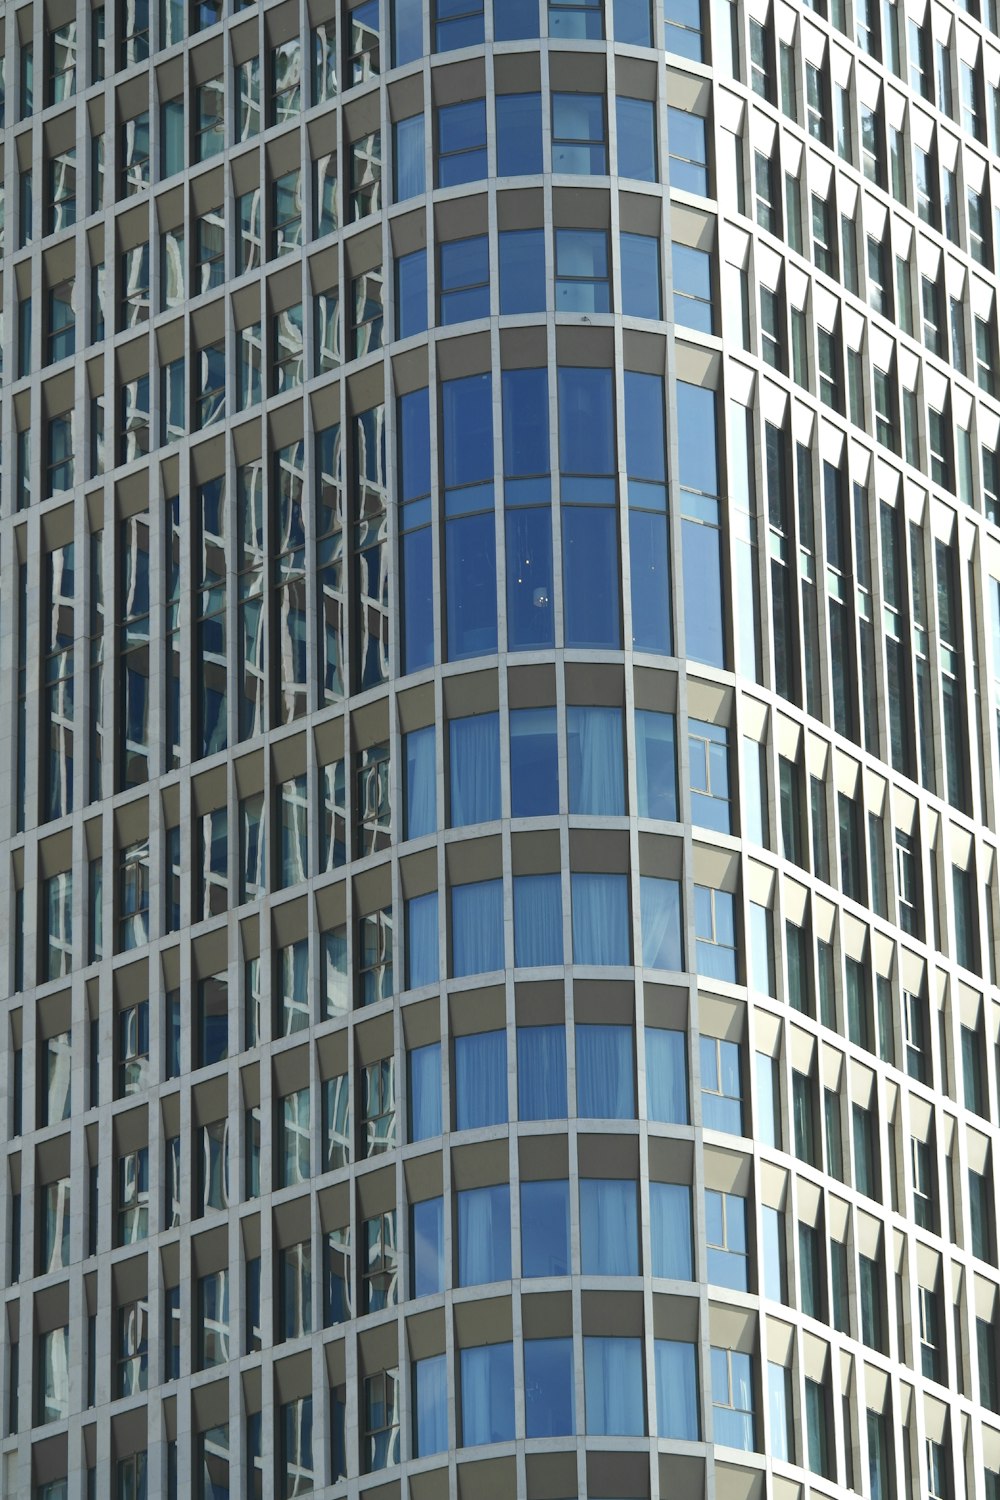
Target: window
<point>604,1072</point>
<point>538,921</point>
<point>614,1386</point>
<point>464,280</point>
<point>427,1247</point>
<point>480,1080</point>
<point>411,294</point>
<point>670,1230</point>
<point>483,1235</point>
<point>666,1076</point>
<point>430,1405</point>
<point>461,142</point>
<point>377,1123</point>
<point>582,283</point>
<point>677,1400</point>
<point>639,256</point>
<point>363,56</point>
<point>541,1072</point>
<point>577,19</point>
<point>62,192</point>
<point>732,1399</point>
<point>688,138</point>
<point>601,924</point>
<point>366,175</point>
<point>545,1244</point>
<point>286,211</point>
<point>487,1394</point>
<point>692,272</point>
<point>458,23</point>
<point>726,1240</point>
<point>294,1431</point>
<point>715,933</point>
<point>721,1087</point>
<point>519,133</point>
<point>636,123</point>
<point>133,1196</point>
<point>683,29</point>
<point>477,944</point>
<point>408,158</point>
<point>548,1387</point>
<point>379,1266</point>
<point>578,140</point>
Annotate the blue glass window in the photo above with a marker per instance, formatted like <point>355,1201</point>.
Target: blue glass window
<point>609,1227</point>
<point>636,120</point>
<point>692,273</point>
<point>484,1235</point>
<point>578,141</point>
<point>633,23</point>
<point>666,1076</point>
<point>640,269</point>
<point>721,1086</point>
<point>548,1388</point>
<point>583,20</point>
<point>538,922</point>
<point>655,765</point>
<point>477,928</point>
<point>458,23</point>
<point>430,1400</point>
<point>596,761</point>
<point>519,135</point>
<point>701,534</point>
<point>422,940</point>
<point>541,1072</point>
<point>715,933</point>
<point>470,542</point>
<point>660,902</point>
<point>464,282</point>
<point>589,503</point>
<point>732,1399</point>
<point>425,1091</point>
<point>708,754</point>
<point>487,1394</point>
<point>421,782</point>
<point>534,763</point>
<point>545,1228</point>
<point>416,555</point>
<point>515,19</point>
<point>528,513</point>
<point>411,294</point>
<point>676,1390</point>
<point>480,1081</point>
<point>726,1240</point>
<point>408,158</point>
<point>582,283</point>
<point>645,455</point>
<point>522,271</point>
<point>427,1247</point>
<point>407,31</point>
<point>601,922</point>
<point>613,1382</point>
<point>670,1230</point>
<point>605,1073</point>
<point>688,151</point>
<point>461,142</point>
<point>474,769</point>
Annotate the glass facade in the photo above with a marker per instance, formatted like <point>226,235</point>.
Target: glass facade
<point>500,848</point>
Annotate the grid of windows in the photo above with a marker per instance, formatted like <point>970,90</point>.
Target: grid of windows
<point>361,813</point>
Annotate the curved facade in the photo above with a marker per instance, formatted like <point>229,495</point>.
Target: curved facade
<point>500,605</point>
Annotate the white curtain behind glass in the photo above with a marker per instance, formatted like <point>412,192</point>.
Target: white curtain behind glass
<point>609,1227</point>
<point>596,766</point>
<point>475,769</point>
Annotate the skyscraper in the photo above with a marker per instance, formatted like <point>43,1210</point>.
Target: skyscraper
<point>500,614</point>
